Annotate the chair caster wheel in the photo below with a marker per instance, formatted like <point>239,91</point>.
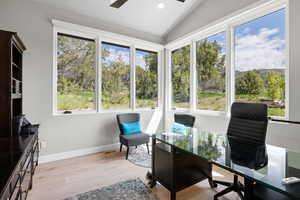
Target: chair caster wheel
<point>152,184</point>
<point>149,176</point>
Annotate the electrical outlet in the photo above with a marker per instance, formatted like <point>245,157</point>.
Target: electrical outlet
<point>43,144</point>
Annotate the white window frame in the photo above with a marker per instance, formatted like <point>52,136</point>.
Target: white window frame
<point>102,36</point>
<point>228,24</point>
<point>204,36</point>
<point>159,76</point>
<point>169,74</point>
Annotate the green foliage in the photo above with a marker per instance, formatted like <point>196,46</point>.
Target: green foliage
<point>275,85</point>
<point>77,79</point>
<point>250,82</point>
<point>76,74</point>
<point>115,84</point>
<point>210,66</point>
<point>181,75</point>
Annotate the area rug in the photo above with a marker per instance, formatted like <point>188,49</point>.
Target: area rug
<point>133,189</point>
<point>139,156</point>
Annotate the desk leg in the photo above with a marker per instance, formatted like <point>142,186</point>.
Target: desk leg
<point>248,193</point>
<point>151,176</point>
<point>173,195</point>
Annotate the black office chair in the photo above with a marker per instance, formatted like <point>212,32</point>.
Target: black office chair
<point>187,120</point>
<point>133,139</point>
<point>248,123</point>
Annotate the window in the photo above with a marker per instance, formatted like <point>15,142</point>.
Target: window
<point>115,76</point>
<point>260,62</point>
<point>146,79</point>
<point>210,66</point>
<point>181,77</point>
<point>76,73</point>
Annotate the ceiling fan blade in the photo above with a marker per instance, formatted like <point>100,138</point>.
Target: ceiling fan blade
<point>118,3</point>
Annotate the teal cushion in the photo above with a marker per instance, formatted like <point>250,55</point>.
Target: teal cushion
<point>131,128</point>
<point>179,128</point>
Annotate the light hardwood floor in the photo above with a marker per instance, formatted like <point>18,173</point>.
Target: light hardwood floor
<point>61,179</point>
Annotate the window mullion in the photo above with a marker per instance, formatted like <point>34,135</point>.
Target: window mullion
<point>98,75</point>
<point>132,78</point>
<point>193,75</point>
<point>230,90</point>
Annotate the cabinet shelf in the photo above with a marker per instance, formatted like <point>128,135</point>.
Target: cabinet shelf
<point>12,49</point>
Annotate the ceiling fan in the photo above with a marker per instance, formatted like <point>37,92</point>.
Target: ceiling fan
<point>119,3</point>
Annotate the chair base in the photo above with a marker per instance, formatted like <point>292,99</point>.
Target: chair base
<point>127,152</point>
<point>236,186</point>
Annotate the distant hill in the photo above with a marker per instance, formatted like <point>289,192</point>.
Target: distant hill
<point>263,72</point>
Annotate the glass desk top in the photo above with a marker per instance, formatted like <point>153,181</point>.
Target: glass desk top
<point>264,164</point>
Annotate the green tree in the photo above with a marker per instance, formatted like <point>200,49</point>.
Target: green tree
<point>275,85</point>
<point>76,62</point>
<point>181,74</point>
<point>250,82</point>
<point>115,82</point>
<point>210,66</point>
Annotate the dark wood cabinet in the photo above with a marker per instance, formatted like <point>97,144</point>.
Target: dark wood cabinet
<point>11,80</point>
<point>19,158</point>
<point>176,169</point>
<point>19,147</point>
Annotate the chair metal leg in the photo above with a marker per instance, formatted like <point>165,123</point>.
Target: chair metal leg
<point>240,195</point>
<point>223,183</point>
<point>121,146</point>
<point>236,186</point>
<point>127,153</point>
<point>148,148</point>
<point>223,192</point>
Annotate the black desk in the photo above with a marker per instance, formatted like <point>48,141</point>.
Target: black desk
<point>18,160</point>
<point>215,148</point>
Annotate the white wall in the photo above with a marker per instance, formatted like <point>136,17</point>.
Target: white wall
<point>67,133</point>
<point>32,21</point>
<point>285,135</point>
<point>206,13</point>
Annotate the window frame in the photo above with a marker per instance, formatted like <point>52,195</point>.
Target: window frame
<point>228,24</point>
<point>159,78</point>
<point>195,84</point>
<point>169,73</point>
<point>100,36</point>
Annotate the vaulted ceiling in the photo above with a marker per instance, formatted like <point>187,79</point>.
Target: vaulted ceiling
<point>141,15</point>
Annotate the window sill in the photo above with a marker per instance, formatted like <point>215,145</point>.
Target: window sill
<point>78,113</point>
<point>210,113</point>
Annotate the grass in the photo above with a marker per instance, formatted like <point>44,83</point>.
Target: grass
<point>85,100</point>
<point>211,101</point>
<point>146,103</point>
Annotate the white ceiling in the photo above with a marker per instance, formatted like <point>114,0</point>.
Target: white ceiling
<point>141,15</point>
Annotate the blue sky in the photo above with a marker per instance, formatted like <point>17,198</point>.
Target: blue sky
<point>116,51</point>
<point>259,44</point>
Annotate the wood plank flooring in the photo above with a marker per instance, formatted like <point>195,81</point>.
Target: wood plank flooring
<point>61,179</point>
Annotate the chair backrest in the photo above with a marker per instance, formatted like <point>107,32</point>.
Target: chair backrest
<point>127,118</point>
<point>187,120</point>
<point>249,122</point>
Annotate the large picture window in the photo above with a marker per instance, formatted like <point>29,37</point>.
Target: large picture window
<point>210,66</point>
<point>115,76</point>
<point>260,62</point>
<point>146,79</point>
<point>76,73</point>
<point>180,59</point>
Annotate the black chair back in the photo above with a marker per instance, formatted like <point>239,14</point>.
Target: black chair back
<point>249,122</point>
<point>187,120</point>
<point>127,118</point>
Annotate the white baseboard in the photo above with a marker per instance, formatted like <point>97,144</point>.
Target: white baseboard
<point>77,153</point>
